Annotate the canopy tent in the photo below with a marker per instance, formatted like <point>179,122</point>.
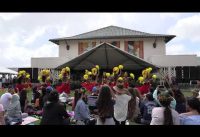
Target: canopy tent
<point>106,56</point>
<point>7,71</point>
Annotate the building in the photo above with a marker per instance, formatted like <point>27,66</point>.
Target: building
<point>148,47</point>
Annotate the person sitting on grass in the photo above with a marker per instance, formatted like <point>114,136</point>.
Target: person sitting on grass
<point>81,112</point>
<point>54,112</point>
<point>14,113</point>
<point>164,115</point>
<point>6,98</point>
<point>91,100</point>
<point>192,117</point>
<point>2,112</point>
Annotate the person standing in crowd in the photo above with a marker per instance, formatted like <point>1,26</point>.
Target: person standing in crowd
<point>14,113</point>
<point>180,100</point>
<point>54,112</point>
<point>192,117</point>
<point>105,105</point>
<point>2,112</point>
<point>23,99</point>
<point>6,98</point>
<point>133,105</point>
<point>164,115</point>
<point>159,90</point>
<point>81,112</point>
<point>121,104</point>
<point>41,98</point>
<point>146,109</point>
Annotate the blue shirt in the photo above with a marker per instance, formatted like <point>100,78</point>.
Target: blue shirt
<point>81,111</point>
<point>148,106</point>
<point>190,120</point>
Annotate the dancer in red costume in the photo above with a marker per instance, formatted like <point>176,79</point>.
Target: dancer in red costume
<point>23,81</point>
<point>65,81</point>
<point>90,78</point>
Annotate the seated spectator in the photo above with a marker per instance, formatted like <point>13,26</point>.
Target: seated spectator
<point>193,116</point>
<point>91,99</point>
<point>164,115</point>
<point>63,98</point>
<point>146,109</point>
<point>54,112</point>
<point>81,114</point>
<point>41,98</point>
<point>2,121</point>
<point>6,98</point>
<point>14,113</point>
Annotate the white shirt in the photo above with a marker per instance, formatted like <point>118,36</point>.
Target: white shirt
<point>1,108</point>
<point>158,116</point>
<point>121,107</point>
<point>5,100</point>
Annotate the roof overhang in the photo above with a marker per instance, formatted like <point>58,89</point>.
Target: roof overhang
<point>166,37</point>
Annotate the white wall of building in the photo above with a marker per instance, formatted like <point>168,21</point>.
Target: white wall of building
<point>71,53</point>
<point>149,50</point>
<point>173,60</point>
<point>50,62</point>
<point>148,46</point>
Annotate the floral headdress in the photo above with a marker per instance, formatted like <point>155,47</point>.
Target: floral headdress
<point>44,75</point>
<point>146,75</point>
<point>94,72</point>
<point>23,75</point>
<point>65,73</point>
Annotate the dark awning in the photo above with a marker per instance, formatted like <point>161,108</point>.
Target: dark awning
<point>106,56</point>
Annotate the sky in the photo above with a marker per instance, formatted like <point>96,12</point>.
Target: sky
<point>26,35</point>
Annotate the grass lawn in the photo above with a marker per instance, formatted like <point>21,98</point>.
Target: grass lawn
<point>187,93</point>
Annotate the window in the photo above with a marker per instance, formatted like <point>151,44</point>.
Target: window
<point>115,43</point>
<point>134,47</point>
<point>88,46</point>
<point>85,46</point>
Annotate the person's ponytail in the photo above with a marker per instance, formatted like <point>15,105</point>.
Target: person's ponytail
<point>168,120</point>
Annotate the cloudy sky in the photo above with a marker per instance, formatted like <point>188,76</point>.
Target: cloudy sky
<point>26,35</point>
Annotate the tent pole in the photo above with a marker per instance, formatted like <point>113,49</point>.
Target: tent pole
<point>106,57</point>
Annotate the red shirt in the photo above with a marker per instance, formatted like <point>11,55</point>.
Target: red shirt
<point>126,84</point>
<point>112,84</point>
<point>27,85</point>
<point>20,87</point>
<point>64,87</point>
<point>144,88</point>
<point>88,85</point>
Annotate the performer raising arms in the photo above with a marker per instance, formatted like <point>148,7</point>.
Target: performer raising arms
<point>23,81</point>
<point>90,78</point>
<point>65,77</point>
